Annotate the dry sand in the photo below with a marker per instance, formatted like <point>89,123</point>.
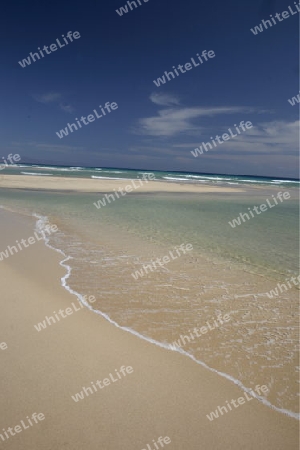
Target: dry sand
<point>98,185</point>
<point>166,395</point>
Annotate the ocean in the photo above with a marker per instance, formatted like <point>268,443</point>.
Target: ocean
<point>229,271</point>
<point>115,174</point>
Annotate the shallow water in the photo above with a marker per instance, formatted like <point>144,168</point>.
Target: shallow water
<point>229,271</point>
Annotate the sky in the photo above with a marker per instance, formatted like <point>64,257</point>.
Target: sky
<point>117,57</point>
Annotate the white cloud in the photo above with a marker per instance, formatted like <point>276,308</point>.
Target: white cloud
<point>56,98</point>
<point>48,98</point>
<point>164,99</point>
<point>266,138</point>
<point>278,137</point>
<point>66,108</point>
<point>172,121</point>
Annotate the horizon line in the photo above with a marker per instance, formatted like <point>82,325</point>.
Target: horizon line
<point>152,170</point>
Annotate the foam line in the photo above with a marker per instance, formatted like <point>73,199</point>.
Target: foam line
<point>43,220</point>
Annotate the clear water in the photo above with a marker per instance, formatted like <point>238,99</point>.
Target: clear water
<point>229,271</point>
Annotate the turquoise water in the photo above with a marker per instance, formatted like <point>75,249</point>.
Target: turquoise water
<point>268,242</point>
<point>228,271</point>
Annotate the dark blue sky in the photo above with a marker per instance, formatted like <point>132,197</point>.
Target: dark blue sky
<point>117,58</point>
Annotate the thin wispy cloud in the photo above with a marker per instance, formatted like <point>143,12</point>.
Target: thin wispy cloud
<point>173,121</point>
<point>51,97</point>
<point>278,137</point>
<point>54,98</point>
<point>67,108</point>
<point>164,99</point>
<point>267,144</point>
<point>61,148</point>
<point>35,145</point>
<point>262,150</point>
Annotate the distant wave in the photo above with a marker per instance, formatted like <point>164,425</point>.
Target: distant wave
<point>36,173</point>
<point>286,181</point>
<point>184,179</point>
<point>114,171</point>
<point>168,176</point>
<point>176,179</point>
<point>62,169</point>
<point>260,182</point>
<point>19,165</point>
<point>108,178</point>
<point>203,177</point>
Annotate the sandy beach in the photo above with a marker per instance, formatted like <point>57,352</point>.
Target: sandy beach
<point>98,185</point>
<point>167,394</point>
<point>150,226</point>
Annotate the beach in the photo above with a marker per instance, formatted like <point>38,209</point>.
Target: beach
<point>149,263</point>
<point>98,185</point>
<point>132,323</point>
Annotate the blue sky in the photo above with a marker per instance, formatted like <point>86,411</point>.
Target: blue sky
<point>117,58</point>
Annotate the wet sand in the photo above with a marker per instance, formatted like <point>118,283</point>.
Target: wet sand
<point>166,395</point>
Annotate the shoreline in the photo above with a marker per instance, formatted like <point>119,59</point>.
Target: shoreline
<point>80,346</point>
<point>41,220</point>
